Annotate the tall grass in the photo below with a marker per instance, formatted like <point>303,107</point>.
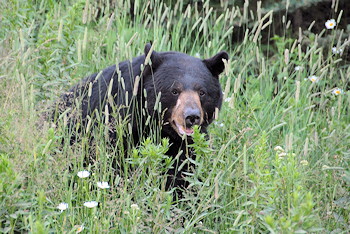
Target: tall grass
<point>243,182</point>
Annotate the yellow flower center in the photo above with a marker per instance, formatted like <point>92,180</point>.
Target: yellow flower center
<point>337,91</point>
<point>331,24</point>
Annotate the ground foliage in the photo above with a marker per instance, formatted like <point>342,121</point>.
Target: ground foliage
<point>277,158</point>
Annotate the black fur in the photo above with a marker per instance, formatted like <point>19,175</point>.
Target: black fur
<point>165,70</point>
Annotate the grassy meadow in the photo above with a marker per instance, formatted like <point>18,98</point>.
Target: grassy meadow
<point>277,159</point>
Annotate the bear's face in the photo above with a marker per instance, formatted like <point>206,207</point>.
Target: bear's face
<point>189,87</point>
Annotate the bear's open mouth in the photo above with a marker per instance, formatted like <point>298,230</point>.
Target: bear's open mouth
<point>182,130</point>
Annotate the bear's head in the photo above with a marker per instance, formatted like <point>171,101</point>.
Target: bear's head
<point>189,89</point>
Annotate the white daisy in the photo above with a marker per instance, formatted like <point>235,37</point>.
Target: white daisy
<point>90,204</point>
<point>83,174</point>
<point>197,55</point>
<point>62,206</point>
<point>337,91</point>
<point>335,50</point>
<point>80,229</point>
<point>298,68</point>
<point>330,24</point>
<point>103,185</point>
<point>313,79</point>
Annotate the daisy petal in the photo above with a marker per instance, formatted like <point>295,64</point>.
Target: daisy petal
<point>83,174</point>
<point>103,185</point>
<point>337,91</point>
<point>330,24</point>
<point>91,204</point>
<point>62,206</point>
<point>80,229</point>
<point>313,79</point>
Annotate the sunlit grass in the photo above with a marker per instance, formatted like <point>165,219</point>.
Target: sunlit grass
<point>277,158</point>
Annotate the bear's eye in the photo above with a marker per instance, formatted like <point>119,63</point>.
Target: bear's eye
<point>175,92</point>
<point>201,93</point>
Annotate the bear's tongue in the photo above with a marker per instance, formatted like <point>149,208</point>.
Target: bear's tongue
<point>182,130</point>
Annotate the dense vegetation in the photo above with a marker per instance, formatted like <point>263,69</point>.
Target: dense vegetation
<point>278,155</point>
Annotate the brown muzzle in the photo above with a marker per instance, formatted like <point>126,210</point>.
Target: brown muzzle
<point>187,113</point>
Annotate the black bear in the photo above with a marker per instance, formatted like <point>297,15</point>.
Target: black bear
<point>175,89</point>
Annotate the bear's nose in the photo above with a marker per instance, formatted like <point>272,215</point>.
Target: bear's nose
<point>192,117</point>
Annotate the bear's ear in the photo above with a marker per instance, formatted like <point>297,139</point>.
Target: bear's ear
<point>215,63</point>
<point>151,56</point>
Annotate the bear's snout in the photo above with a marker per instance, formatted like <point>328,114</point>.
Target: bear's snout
<point>192,117</point>
<point>187,113</point>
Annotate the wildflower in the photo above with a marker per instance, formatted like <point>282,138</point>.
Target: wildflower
<point>62,206</point>
<point>304,162</point>
<point>80,229</point>
<point>90,204</point>
<point>197,55</point>
<point>313,79</point>
<point>335,50</point>
<point>278,149</point>
<point>227,99</point>
<point>337,91</point>
<point>103,185</point>
<point>298,68</point>
<point>83,174</point>
<point>134,207</point>
<point>330,24</point>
